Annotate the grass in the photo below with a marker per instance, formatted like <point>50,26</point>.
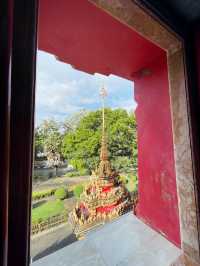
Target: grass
<point>47,210</point>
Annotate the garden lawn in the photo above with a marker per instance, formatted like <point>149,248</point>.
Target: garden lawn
<point>47,210</point>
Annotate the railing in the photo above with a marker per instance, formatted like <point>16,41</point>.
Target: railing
<point>47,224</point>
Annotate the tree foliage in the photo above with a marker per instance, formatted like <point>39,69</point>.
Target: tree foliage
<point>48,139</point>
<point>82,145</point>
<point>78,139</point>
<point>73,121</point>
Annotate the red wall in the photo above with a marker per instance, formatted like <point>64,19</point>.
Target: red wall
<point>158,204</point>
<point>80,34</point>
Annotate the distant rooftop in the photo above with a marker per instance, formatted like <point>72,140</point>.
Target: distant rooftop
<point>126,241</point>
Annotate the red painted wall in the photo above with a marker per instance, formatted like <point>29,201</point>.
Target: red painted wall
<point>80,34</point>
<point>158,205</point>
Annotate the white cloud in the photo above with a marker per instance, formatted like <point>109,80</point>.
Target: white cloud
<point>128,105</point>
<point>61,90</point>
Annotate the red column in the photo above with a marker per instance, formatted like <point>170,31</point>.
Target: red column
<point>158,205</point>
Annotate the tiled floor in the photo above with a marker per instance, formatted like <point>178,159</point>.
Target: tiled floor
<point>124,242</point>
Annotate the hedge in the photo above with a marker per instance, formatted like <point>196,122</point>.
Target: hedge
<point>36,195</point>
<point>78,189</point>
<point>61,193</point>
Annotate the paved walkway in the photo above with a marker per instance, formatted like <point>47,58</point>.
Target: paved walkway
<point>50,241</point>
<point>59,181</point>
<point>123,242</point>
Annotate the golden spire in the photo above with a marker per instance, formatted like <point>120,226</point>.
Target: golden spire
<point>104,166</point>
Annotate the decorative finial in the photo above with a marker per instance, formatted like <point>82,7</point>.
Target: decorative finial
<point>103,93</point>
<point>104,166</point>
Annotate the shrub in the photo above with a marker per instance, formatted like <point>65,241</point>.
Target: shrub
<point>132,184</point>
<point>61,193</point>
<point>78,189</point>
<point>72,174</point>
<point>82,172</point>
<point>36,195</point>
<point>123,179</point>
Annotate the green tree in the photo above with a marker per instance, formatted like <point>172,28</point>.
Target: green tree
<point>82,146</point>
<point>71,123</point>
<point>39,142</point>
<point>48,140</point>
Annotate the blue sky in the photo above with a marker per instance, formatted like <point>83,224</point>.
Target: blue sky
<point>62,90</point>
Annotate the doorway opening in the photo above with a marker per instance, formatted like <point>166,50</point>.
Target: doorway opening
<point>68,136</point>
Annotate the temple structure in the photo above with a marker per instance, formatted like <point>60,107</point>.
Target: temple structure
<point>105,197</point>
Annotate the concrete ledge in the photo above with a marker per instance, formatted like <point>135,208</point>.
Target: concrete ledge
<point>123,242</point>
